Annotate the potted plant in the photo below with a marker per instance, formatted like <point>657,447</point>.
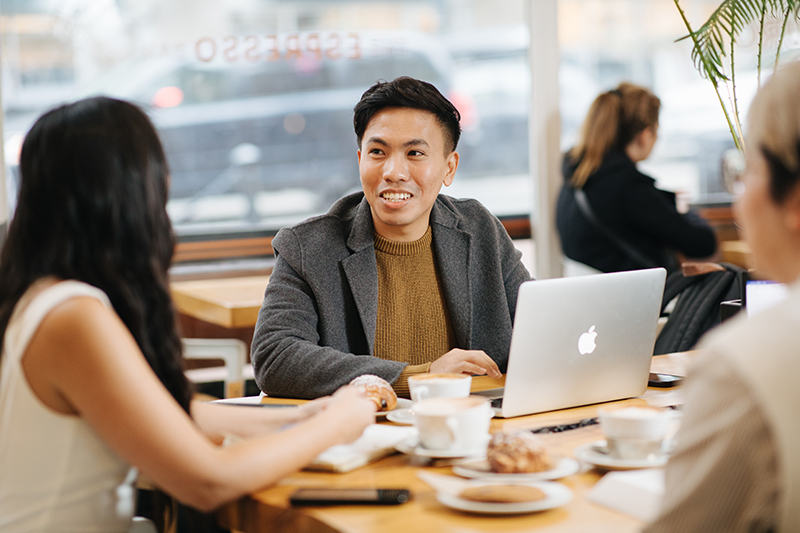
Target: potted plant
<point>713,50</point>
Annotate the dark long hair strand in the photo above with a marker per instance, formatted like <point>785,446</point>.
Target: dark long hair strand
<point>92,208</point>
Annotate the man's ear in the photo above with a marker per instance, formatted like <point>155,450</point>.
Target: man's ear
<point>359,156</point>
<point>451,167</point>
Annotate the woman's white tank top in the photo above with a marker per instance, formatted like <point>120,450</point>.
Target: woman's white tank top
<point>55,472</point>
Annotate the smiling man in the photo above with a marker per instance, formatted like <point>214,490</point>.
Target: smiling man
<point>395,280</point>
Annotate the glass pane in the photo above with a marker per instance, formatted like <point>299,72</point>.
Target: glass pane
<point>253,99</point>
<point>604,42</point>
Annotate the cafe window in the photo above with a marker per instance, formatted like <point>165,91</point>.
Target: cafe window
<point>604,42</point>
<point>254,100</point>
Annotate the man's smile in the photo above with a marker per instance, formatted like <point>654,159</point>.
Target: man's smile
<point>395,196</point>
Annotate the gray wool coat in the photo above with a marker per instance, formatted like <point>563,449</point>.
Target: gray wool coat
<point>316,328</point>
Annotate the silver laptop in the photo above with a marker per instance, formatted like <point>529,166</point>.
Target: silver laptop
<point>581,340</point>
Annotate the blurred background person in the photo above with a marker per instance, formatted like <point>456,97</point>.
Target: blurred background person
<point>736,466</point>
<point>91,373</point>
<point>631,224</point>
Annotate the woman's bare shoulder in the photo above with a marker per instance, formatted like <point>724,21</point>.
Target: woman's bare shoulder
<point>75,336</point>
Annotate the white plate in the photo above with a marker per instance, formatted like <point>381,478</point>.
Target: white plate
<point>592,453</point>
<point>402,403</point>
<point>556,495</point>
<point>562,467</point>
<point>401,416</point>
<point>411,447</point>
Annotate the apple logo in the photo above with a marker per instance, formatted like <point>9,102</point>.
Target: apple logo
<point>586,344</point>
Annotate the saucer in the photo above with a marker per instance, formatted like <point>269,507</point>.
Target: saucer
<point>562,467</point>
<point>412,447</point>
<point>401,416</point>
<point>556,495</point>
<point>402,404</point>
<point>596,453</point>
<point>404,415</point>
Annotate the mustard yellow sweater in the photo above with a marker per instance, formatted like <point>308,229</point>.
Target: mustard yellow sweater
<point>413,320</point>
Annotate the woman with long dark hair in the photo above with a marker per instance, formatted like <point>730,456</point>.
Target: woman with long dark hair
<point>620,130</point>
<point>91,375</point>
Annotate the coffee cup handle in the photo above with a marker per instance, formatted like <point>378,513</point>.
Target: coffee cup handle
<point>452,425</point>
<point>419,394</point>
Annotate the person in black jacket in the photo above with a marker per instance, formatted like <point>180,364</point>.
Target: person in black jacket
<point>619,131</point>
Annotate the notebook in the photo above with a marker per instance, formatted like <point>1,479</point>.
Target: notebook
<point>581,340</point>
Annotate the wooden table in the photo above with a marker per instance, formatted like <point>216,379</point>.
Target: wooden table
<point>738,253</point>
<point>229,302</point>
<point>269,510</point>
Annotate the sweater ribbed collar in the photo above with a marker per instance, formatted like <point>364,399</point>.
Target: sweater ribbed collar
<point>404,248</point>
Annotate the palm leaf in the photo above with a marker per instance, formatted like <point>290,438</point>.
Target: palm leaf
<point>715,39</point>
<point>711,67</point>
<point>724,24</point>
<point>781,10</point>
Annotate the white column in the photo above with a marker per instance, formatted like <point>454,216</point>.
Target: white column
<point>544,133</point>
<point>3,199</point>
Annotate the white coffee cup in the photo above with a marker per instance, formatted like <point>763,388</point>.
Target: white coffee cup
<point>422,386</point>
<point>453,424</point>
<point>635,433</point>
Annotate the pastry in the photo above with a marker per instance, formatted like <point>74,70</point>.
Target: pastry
<point>378,390</point>
<point>502,494</point>
<point>517,452</point>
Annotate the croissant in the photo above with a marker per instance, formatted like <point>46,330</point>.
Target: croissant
<point>378,390</point>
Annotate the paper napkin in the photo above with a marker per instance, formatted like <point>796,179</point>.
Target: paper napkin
<point>377,441</point>
<point>636,493</point>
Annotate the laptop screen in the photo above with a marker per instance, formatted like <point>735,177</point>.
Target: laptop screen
<point>761,295</point>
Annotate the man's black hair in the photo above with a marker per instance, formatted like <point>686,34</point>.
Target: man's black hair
<point>411,93</point>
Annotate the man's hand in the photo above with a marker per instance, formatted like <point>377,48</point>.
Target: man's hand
<point>459,361</point>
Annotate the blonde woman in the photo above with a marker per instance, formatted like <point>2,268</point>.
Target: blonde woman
<point>736,467</point>
<point>620,130</point>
